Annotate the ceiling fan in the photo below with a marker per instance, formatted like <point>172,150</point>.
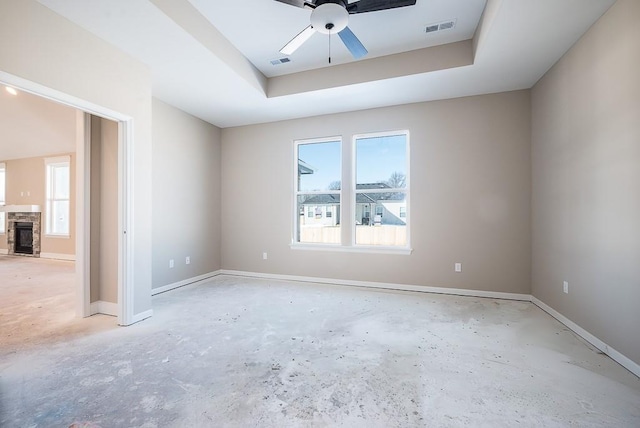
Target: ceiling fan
<point>332,16</point>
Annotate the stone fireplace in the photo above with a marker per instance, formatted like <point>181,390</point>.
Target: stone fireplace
<point>22,227</point>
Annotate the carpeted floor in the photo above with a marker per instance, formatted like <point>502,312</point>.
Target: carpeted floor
<point>238,352</point>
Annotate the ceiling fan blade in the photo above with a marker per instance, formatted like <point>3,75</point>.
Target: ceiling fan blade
<point>298,3</point>
<point>297,41</point>
<point>363,6</point>
<point>352,43</point>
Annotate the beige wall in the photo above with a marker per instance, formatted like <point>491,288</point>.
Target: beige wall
<point>186,195</point>
<point>470,200</point>
<point>104,210</point>
<point>25,185</point>
<point>586,178</point>
<point>38,45</point>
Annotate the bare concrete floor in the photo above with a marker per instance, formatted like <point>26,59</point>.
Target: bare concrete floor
<point>237,352</point>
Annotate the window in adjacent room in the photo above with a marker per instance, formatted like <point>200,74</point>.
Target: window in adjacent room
<point>318,169</point>
<point>3,190</point>
<point>57,196</point>
<point>382,187</point>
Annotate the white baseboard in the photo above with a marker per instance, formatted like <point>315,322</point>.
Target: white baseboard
<point>106,308</point>
<point>627,363</point>
<point>184,282</point>
<point>56,256</point>
<point>141,316</point>
<point>615,355</point>
<point>388,286</point>
<point>4,251</point>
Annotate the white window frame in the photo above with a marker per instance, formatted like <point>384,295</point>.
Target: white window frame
<point>49,185</point>
<point>348,200</point>
<point>297,192</point>
<point>3,201</point>
<point>404,249</point>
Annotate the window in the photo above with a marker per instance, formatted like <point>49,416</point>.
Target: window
<point>377,170</point>
<point>57,193</point>
<point>3,190</point>
<point>318,174</point>
<point>381,186</point>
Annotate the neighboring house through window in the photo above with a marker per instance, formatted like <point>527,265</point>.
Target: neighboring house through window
<point>318,171</point>
<point>3,192</point>
<point>58,173</point>
<point>382,187</point>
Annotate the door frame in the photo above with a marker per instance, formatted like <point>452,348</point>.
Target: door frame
<point>125,195</point>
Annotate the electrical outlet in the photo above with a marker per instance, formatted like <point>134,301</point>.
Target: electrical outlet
<point>187,260</point>
<point>565,287</point>
<point>458,267</point>
<point>171,264</point>
<point>264,256</point>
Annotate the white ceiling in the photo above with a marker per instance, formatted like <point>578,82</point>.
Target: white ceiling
<point>273,24</point>
<point>211,58</point>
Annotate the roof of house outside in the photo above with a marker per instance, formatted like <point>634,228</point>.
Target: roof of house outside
<point>305,168</point>
<point>361,198</point>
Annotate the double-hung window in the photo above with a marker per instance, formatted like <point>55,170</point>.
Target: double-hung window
<point>381,189</point>
<point>3,190</point>
<point>318,169</point>
<point>377,170</point>
<point>58,190</point>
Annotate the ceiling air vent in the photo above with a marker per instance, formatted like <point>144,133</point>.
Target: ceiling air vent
<point>440,26</point>
<point>279,61</point>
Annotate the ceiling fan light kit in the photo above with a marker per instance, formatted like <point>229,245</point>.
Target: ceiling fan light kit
<point>332,16</point>
<point>329,18</point>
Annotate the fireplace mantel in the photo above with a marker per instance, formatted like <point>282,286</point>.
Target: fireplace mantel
<point>20,208</point>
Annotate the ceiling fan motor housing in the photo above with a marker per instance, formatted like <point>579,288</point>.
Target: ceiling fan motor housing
<point>329,18</point>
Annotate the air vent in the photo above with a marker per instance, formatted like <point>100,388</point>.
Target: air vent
<point>440,26</point>
<point>279,61</point>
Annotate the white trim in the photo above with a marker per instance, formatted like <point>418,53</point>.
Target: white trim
<point>83,213</point>
<point>141,316</point>
<point>297,192</point>
<point>126,263</point>
<point>3,216</point>
<point>401,251</point>
<point>625,362</point>
<point>4,251</point>
<point>59,97</point>
<point>61,160</point>
<point>354,184</point>
<point>169,287</point>
<point>105,308</point>
<point>50,184</point>
<point>383,285</point>
<point>615,355</point>
<point>57,256</point>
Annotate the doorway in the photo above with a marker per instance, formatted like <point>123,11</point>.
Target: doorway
<point>123,307</point>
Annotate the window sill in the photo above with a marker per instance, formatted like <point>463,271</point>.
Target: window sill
<point>404,251</point>
<point>47,235</point>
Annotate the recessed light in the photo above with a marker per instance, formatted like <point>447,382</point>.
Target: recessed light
<point>11,90</point>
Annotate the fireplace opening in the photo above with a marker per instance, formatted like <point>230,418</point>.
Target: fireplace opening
<point>23,238</point>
